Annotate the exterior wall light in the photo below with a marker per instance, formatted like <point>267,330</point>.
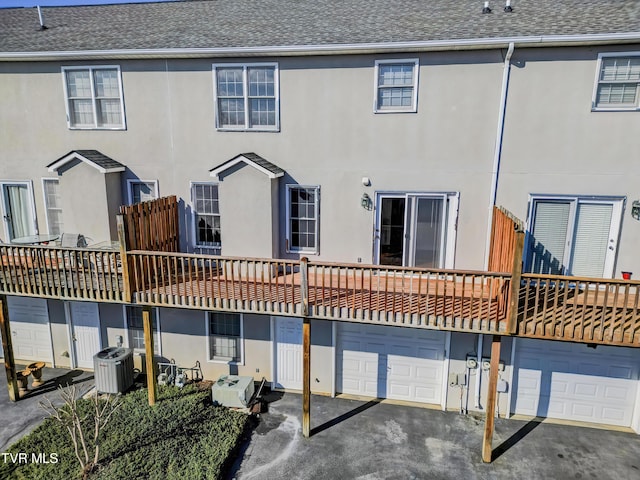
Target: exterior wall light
<point>635,209</point>
<point>365,201</point>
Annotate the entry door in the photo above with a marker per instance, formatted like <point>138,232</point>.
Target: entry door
<point>574,236</point>
<point>412,230</point>
<point>288,355</point>
<point>18,210</point>
<point>85,332</point>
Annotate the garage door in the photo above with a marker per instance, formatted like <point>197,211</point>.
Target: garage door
<point>390,362</point>
<point>30,334</point>
<point>574,382</point>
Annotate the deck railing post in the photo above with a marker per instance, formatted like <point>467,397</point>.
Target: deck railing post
<point>9,362</point>
<point>306,348</point>
<point>516,276</point>
<point>489,423</point>
<point>147,325</point>
<point>122,240</point>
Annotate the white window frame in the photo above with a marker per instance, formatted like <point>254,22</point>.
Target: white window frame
<point>245,85</point>
<point>29,185</point>
<point>614,230</point>
<point>207,317</point>
<point>289,248</point>
<point>216,247</point>
<point>91,69</point>
<point>414,101</point>
<point>136,181</point>
<point>597,108</point>
<point>46,203</point>
<point>127,337</point>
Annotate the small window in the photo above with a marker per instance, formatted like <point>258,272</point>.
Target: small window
<point>396,88</point>
<point>142,190</point>
<point>94,97</point>
<point>302,218</point>
<point>246,97</point>
<point>206,214</point>
<point>53,205</point>
<point>225,337</point>
<point>618,83</point>
<point>135,329</point>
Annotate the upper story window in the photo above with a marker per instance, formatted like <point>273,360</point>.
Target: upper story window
<point>396,87</point>
<point>618,82</point>
<point>303,204</point>
<point>53,204</point>
<point>246,96</point>
<point>94,97</point>
<point>142,190</point>
<point>206,214</point>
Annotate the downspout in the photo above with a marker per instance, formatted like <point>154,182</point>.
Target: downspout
<point>497,156</point>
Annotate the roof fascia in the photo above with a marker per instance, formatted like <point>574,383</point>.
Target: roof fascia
<point>67,158</point>
<point>215,172</point>
<point>338,49</point>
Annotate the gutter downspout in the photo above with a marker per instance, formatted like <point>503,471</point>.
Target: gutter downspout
<point>497,156</point>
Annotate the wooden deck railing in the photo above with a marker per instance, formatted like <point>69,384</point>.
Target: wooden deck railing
<point>65,273</point>
<point>577,309</point>
<point>444,299</point>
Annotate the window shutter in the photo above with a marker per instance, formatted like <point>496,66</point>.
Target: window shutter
<point>590,239</point>
<point>549,238</point>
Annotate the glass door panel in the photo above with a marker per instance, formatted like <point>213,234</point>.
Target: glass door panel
<point>392,222</point>
<point>18,210</point>
<point>428,232</point>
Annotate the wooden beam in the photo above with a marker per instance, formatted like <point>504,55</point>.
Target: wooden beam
<point>516,276</point>
<point>152,385</point>
<point>306,377</point>
<point>489,422</point>
<point>9,362</point>
<point>122,240</point>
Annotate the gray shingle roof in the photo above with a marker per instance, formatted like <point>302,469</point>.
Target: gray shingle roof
<point>99,160</point>
<point>270,23</point>
<point>252,159</point>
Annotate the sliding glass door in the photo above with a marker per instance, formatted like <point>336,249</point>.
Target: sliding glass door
<point>18,210</point>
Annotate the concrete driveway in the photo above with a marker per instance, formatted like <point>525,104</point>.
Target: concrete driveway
<point>19,418</point>
<point>379,441</point>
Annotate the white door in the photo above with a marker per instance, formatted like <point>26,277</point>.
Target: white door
<point>288,355</point>
<point>574,382</point>
<point>391,362</point>
<point>30,333</point>
<point>19,214</point>
<point>84,320</point>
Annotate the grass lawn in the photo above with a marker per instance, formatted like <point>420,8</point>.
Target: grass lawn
<point>183,436</point>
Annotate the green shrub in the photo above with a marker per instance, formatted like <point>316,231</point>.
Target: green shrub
<point>183,436</point>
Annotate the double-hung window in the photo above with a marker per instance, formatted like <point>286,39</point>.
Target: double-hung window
<point>246,96</point>
<point>303,204</point>
<point>396,86</point>
<point>53,204</point>
<point>135,328</point>
<point>225,337</point>
<point>94,97</point>
<point>618,82</point>
<point>142,190</point>
<point>206,215</point>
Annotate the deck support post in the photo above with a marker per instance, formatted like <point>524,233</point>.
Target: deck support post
<point>492,394</point>
<point>122,240</point>
<point>306,348</point>
<point>9,362</point>
<point>152,384</point>
<point>516,275</point>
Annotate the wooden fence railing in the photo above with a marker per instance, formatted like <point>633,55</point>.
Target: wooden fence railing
<point>578,309</point>
<point>152,225</point>
<point>444,299</point>
<point>504,240</point>
<point>65,273</point>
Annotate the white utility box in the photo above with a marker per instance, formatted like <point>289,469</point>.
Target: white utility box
<point>233,391</point>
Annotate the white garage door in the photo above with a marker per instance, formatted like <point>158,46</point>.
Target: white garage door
<point>391,362</point>
<point>573,382</point>
<point>30,334</point>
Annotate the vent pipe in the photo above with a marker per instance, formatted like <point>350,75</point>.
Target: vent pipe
<point>41,18</point>
<point>507,7</point>
<point>486,8</point>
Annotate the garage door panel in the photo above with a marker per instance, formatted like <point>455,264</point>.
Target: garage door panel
<point>578,383</point>
<point>30,334</point>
